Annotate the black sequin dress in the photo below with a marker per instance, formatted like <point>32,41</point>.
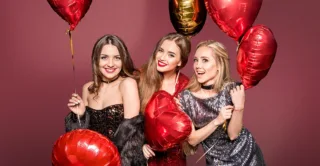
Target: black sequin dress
<point>126,134</point>
<point>221,151</point>
<point>107,120</point>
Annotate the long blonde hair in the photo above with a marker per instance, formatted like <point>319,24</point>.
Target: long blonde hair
<point>222,59</point>
<point>150,79</point>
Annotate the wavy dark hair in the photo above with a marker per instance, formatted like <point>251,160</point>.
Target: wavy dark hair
<point>128,68</point>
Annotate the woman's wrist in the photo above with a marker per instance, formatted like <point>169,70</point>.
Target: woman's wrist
<point>238,108</point>
<point>216,123</point>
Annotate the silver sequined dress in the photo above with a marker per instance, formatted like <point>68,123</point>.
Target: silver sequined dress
<point>243,151</point>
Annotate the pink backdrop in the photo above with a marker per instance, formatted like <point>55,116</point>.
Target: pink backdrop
<point>36,75</point>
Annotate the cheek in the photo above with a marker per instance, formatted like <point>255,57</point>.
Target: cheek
<point>194,66</point>
<point>173,61</point>
<point>209,67</point>
<point>212,70</point>
<point>157,56</point>
<point>118,64</point>
<point>101,63</point>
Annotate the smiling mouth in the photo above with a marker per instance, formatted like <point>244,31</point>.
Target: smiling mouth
<point>200,73</point>
<point>161,64</point>
<point>110,70</point>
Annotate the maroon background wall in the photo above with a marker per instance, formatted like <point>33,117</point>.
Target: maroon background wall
<point>36,73</point>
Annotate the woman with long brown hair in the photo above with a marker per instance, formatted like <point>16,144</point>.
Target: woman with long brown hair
<point>110,103</point>
<point>162,72</point>
<point>215,105</point>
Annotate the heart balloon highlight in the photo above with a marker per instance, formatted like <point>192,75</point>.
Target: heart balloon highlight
<point>256,54</point>
<point>71,11</point>
<point>165,125</point>
<point>234,17</point>
<point>84,147</point>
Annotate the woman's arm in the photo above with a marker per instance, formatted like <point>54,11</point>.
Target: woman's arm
<point>78,117</point>
<point>85,93</point>
<point>235,125</point>
<point>201,134</point>
<point>130,97</point>
<point>129,137</point>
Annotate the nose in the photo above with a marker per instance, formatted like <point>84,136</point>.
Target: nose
<point>110,62</point>
<point>163,56</point>
<point>197,65</point>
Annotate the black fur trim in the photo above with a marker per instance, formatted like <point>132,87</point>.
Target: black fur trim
<point>72,122</point>
<point>129,138</point>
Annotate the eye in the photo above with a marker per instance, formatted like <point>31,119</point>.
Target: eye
<point>205,60</point>
<point>118,58</point>
<point>195,60</point>
<point>172,55</point>
<point>103,57</point>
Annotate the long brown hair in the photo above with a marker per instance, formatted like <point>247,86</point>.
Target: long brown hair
<point>151,79</point>
<point>128,69</point>
<point>222,59</point>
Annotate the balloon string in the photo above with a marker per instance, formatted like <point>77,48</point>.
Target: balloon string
<point>238,47</point>
<point>72,58</point>
<point>73,69</point>
<point>205,153</point>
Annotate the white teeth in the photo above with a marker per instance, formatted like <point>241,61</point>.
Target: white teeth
<point>110,70</point>
<point>162,63</point>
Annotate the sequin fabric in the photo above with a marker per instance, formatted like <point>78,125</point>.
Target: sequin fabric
<point>107,120</point>
<point>243,151</point>
<point>171,157</point>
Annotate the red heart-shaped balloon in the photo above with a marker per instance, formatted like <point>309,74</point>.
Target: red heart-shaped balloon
<point>84,147</point>
<point>71,11</point>
<point>256,54</point>
<point>165,125</point>
<point>234,17</point>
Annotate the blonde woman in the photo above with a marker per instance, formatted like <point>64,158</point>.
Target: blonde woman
<point>215,104</point>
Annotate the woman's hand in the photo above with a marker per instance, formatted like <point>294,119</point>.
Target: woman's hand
<point>238,97</point>
<point>76,105</point>
<point>224,114</point>
<point>147,151</point>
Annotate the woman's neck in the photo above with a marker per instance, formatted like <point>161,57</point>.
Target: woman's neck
<point>207,89</point>
<point>209,82</point>
<point>169,82</point>
<point>169,76</point>
<point>110,80</point>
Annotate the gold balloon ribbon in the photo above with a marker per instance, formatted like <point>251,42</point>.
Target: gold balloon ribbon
<point>224,126</point>
<point>72,58</point>
<point>73,69</point>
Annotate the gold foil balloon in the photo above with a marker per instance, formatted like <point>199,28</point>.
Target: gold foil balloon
<point>187,16</point>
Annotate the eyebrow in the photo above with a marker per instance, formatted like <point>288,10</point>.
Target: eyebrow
<point>109,55</point>
<point>204,57</point>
